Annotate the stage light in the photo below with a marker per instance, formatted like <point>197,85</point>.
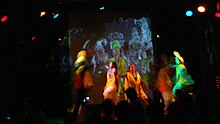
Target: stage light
<point>158,36</point>
<point>4,18</point>
<point>102,8</point>
<point>42,13</point>
<point>189,13</point>
<point>217,14</point>
<point>201,9</point>
<point>33,38</point>
<point>55,15</point>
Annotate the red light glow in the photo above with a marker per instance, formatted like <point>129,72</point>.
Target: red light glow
<point>33,38</point>
<point>4,18</point>
<point>217,14</point>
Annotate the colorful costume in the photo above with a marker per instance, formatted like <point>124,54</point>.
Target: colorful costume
<point>164,85</point>
<point>83,80</point>
<point>135,82</point>
<point>111,87</point>
<point>183,80</point>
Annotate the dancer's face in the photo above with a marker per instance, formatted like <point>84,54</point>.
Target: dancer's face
<point>132,68</point>
<point>164,60</point>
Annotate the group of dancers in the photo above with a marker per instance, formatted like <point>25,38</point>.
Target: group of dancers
<point>168,81</point>
<point>131,79</point>
<point>170,78</point>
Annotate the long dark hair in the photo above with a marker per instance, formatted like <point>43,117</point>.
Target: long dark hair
<point>115,65</point>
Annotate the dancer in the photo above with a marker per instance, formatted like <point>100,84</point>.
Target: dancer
<point>133,79</point>
<point>82,82</point>
<point>182,79</point>
<point>121,61</point>
<point>111,87</point>
<point>164,83</point>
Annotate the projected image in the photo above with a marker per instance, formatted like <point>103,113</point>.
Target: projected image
<point>123,40</point>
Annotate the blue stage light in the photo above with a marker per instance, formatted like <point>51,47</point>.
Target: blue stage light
<point>56,15</point>
<point>189,13</point>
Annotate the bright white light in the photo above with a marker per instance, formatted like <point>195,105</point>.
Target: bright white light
<point>42,13</point>
<point>201,9</point>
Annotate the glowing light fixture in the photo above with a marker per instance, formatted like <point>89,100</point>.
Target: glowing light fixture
<point>189,13</point>
<point>33,38</point>
<point>217,14</point>
<point>201,9</point>
<point>4,18</point>
<point>56,15</point>
<point>102,8</point>
<point>42,13</point>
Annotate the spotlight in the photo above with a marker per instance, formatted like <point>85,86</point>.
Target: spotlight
<point>217,14</point>
<point>189,13</point>
<point>102,8</point>
<point>201,9</point>
<point>55,15</point>
<point>4,18</point>
<point>42,13</point>
<point>33,38</point>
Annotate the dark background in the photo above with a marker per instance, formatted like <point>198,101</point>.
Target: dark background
<point>30,68</point>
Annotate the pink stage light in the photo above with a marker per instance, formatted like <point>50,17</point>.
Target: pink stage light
<point>217,14</point>
<point>4,18</point>
<point>33,38</point>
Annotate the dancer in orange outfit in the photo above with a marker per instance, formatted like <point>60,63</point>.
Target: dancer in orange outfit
<point>133,79</point>
<point>111,87</point>
<point>164,83</point>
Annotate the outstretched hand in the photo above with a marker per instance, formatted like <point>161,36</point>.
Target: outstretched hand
<point>176,53</point>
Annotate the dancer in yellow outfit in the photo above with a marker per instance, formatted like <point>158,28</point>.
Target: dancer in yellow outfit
<point>111,87</point>
<point>82,83</point>
<point>133,79</point>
